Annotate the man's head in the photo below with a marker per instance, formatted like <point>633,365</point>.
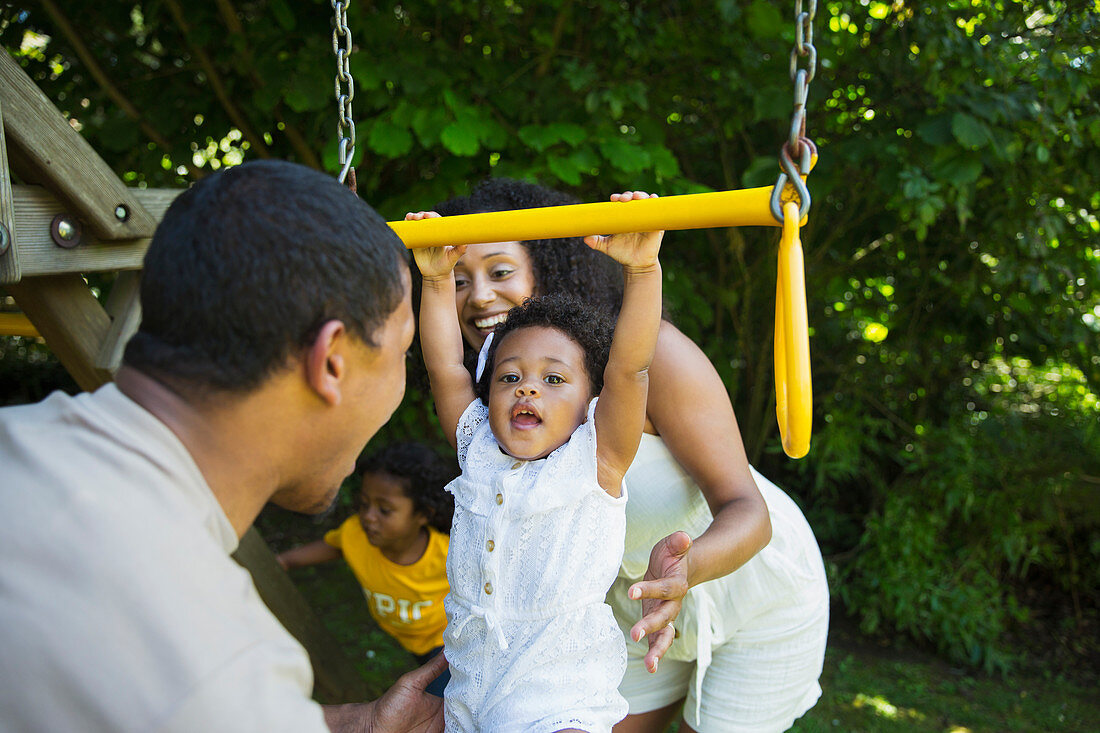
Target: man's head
<point>274,294</point>
<point>246,267</point>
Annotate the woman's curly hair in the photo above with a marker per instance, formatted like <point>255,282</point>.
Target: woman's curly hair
<point>422,472</point>
<point>589,326</point>
<point>561,265</point>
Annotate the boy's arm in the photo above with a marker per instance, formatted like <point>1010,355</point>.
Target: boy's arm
<point>312,553</point>
<point>621,411</point>
<point>440,337</point>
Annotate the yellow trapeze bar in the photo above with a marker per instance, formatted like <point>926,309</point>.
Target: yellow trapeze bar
<point>744,207</point>
<point>793,393</point>
<point>17,324</point>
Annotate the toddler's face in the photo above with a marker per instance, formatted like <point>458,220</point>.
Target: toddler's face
<point>388,516</point>
<point>539,392</point>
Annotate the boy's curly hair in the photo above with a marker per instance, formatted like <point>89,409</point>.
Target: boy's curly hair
<point>591,327</point>
<point>422,472</point>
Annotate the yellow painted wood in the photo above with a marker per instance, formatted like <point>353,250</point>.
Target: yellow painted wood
<point>65,161</point>
<point>17,324</point>
<point>746,207</point>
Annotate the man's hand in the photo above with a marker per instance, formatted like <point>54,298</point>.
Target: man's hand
<point>405,707</point>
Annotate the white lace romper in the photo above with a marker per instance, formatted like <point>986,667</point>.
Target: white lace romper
<point>534,547</point>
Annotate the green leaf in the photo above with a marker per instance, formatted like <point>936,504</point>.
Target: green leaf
<point>568,132</point>
<point>761,172</point>
<point>492,134</point>
<point>730,10</point>
<point>960,170</point>
<point>537,137</point>
<point>566,169</point>
<point>625,156</point>
<point>283,15</point>
<point>310,88</point>
<point>969,130</point>
<point>541,137</point>
<point>772,102</point>
<point>764,20</point>
<point>665,164</point>
<point>389,139</point>
<point>461,137</point>
<point>428,123</point>
<point>936,131</point>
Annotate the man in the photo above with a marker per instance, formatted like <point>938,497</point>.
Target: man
<point>276,317</point>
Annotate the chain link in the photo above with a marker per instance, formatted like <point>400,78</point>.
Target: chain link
<point>798,146</point>
<point>345,128</point>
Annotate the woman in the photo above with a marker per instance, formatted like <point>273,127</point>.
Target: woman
<point>749,644</point>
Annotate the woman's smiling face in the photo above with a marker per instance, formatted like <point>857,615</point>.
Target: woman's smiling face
<point>490,280</point>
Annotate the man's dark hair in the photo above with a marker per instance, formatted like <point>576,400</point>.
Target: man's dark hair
<point>562,265</point>
<point>246,267</point>
<point>422,472</point>
<point>591,327</point>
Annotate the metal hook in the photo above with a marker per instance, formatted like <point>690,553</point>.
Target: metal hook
<point>346,158</point>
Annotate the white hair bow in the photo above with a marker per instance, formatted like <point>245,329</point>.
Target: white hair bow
<point>482,356</point>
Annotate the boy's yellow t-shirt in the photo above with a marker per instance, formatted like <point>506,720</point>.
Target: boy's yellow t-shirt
<point>405,600</point>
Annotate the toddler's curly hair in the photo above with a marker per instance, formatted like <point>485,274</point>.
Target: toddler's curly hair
<point>422,472</point>
<point>591,327</point>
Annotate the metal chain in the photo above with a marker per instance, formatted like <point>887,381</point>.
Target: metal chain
<point>798,146</point>
<point>345,128</point>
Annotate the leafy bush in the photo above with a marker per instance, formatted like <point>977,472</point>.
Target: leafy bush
<point>982,503</point>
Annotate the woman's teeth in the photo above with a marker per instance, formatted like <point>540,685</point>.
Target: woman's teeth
<point>491,321</point>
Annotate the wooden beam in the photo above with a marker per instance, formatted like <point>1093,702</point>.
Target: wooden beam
<point>335,678</point>
<point>124,308</point>
<point>71,320</point>
<point>34,209</point>
<point>9,254</point>
<point>65,161</point>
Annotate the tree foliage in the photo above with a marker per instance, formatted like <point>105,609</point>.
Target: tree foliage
<point>952,249</point>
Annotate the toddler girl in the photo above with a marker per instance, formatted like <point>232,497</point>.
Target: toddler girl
<point>396,544</point>
<point>540,505</point>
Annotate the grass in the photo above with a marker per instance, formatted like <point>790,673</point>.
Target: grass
<point>875,687</point>
<point>869,686</point>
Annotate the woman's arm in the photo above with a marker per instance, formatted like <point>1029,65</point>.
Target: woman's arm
<point>691,411</point>
<point>312,553</point>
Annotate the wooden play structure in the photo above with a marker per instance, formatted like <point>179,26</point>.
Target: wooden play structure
<point>71,216</point>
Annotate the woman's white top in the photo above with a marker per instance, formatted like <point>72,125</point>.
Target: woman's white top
<point>534,547</point>
<point>664,499</point>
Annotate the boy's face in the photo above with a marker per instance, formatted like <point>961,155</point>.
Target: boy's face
<point>388,516</point>
<point>539,392</point>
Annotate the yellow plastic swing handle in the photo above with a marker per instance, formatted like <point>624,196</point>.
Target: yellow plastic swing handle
<point>745,207</point>
<point>793,393</point>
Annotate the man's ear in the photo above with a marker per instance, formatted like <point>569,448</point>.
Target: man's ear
<point>324,362</point>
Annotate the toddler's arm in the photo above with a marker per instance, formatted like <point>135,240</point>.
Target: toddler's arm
<point>440,337</point>
<point>621,411</point>
<point>312,553</point>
